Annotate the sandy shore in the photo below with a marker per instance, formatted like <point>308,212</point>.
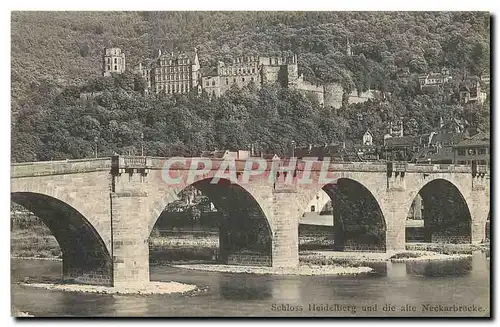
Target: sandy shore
<point>306,270</point>
<point>36,258</point>
<point>429,256</point>
<point>149,288</point>
<point>334,256</point>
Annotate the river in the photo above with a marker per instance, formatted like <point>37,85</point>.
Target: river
<point>396,289</point>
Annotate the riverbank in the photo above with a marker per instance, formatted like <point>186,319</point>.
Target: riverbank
<point>149,288</point>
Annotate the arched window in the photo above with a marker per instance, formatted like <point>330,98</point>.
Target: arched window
<point>109,61</point>
<point>116,68</point>
<point>227,81</point>
<point>243,79</point>
<point>115,60</point>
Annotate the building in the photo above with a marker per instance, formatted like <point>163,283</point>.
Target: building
<point>226,154</point>
<point>182,73</point>
<point>113,61</point>
<point>433,148</point>
<point>171,73</point>
<point>240,72</point>
<point>367,138</point>
<point>470,91</point>
<point>434,81</point>
<point>473,150</point>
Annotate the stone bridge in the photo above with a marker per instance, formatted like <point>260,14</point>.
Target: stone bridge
<point>102,211</point>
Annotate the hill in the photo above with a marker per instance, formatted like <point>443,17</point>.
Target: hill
<point>51,50</point>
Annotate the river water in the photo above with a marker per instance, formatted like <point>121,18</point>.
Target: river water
<point>395,289</point>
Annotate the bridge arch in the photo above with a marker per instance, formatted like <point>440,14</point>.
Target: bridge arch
<point>359,222</point>
<point>86,258</point>
<point>244,226</point>
<point>446,211</point>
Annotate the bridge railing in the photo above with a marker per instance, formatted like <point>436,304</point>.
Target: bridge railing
<point>40,168</point>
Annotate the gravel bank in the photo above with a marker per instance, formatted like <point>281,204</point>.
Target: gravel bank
<point>150,288</point>
<point>429,256</point>
<point>306,270</point>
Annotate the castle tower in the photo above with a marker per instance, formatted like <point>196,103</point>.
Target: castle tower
<point>292,71</point>
<point>348,48</point>
<point>113,61</point>
<point>195,70</point>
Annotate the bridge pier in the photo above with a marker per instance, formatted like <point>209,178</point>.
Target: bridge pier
<point>395,213</point>
<point>286,229</point>
<point>130,248</point>
<point>480,206</point>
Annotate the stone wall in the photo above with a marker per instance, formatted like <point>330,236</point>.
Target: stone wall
<point>360,97</point>
<point>436,238</point>
<point>245,259</point>
<point>84,276</point>
<point>333,95</point>
<point>315,91</point>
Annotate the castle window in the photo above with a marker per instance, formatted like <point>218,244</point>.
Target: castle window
<point>227,81</point>
<point>109,67</point>
<point>253,70</point>
<point>109,61</point>
<point>116,68</point>
<point>213,83</point>
<point>243,79</point>
<point>115,60</point>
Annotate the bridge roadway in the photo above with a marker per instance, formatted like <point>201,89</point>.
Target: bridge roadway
<point>103,210</point>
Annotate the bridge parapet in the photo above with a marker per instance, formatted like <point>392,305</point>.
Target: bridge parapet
<point>437,168</point>
<point>188,163</point>
<point>44,168</point>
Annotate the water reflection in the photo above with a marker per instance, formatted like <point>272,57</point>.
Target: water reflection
<point>245,287</point>
<point>439,268</point>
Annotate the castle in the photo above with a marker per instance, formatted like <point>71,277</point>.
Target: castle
<point>181,73</point>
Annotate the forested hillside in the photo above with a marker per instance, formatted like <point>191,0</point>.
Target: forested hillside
<point>57,55</point>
